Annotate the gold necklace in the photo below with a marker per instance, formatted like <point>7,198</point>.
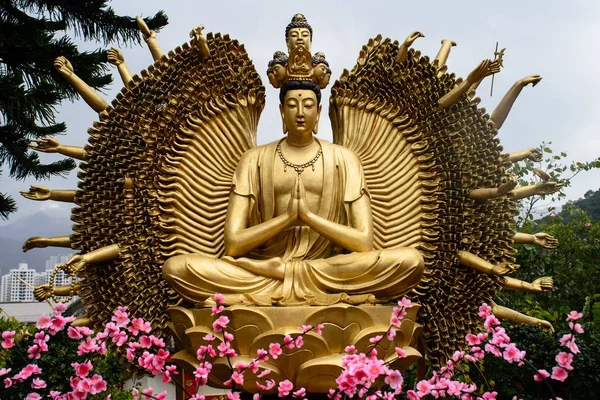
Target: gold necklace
<point>299,168</point>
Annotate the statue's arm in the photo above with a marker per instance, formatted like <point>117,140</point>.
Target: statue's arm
<point>241,239</point>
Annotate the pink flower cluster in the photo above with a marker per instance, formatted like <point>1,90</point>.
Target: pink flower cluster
<point>564,359</point>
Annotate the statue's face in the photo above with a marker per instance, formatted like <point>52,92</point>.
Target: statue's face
<point>298,36</point>
<point>320,71</point>
<point>280,72</point>
<point>273,80</point>
<point>300,111</point>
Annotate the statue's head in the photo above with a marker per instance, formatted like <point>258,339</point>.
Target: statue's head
<point>300,107</point>
<point>277,69</point>
<point>321,71</point>
<point>298,32</point>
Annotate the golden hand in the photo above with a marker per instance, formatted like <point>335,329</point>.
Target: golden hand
<point>198,37</point>
<point>63,66</point>
<point>533,79</point>
<point>546,188</point>
<point>504,269</point>
<point>42,292</point>
<point>115,56</point>
<point>535,154</point>
<point>543,284</point>
<point>412,37</point>
<point>45,145</point>
<point>507,186</point>
<point>546,325</point>
<point>303,210</point>
<point>293,205</point>
<point>77,262</point>
<point>37,193</point>
<point>494,68</point>
<point>480,72</point>
<point>36,242</point>
<point>545,240</point>
<point>143,27</point>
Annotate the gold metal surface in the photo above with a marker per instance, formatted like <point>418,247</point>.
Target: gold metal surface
<point>318,363</point>
<point>415,178</point>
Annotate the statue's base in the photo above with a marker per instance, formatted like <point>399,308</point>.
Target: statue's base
<point>315,365</point>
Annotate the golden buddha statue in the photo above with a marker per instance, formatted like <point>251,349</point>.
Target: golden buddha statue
<point>175,200</point>
<point>299,227</point>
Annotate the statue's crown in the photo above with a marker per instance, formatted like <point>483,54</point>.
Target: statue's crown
<point>299,65</point>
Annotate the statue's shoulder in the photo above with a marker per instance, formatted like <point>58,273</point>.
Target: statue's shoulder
<point>340,151</point>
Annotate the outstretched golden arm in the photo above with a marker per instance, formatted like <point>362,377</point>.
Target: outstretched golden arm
<point>51,145</point>
<point>44,291</point>
<point>403,49</point>
<point>41,193</point>
<point>444,52</point>
<point>493,193</point>
<point>485,68</point>
<point>511,315</point>
<point>479,264</point>
<point>540,239</point>
<point>532,153</point>
<point>94,100</point>
<point>540,285</point>
<point>38,242</point>
<point>150,38</point>
<point>501,112</point>
<point>541,189</point>
<point>116,58</point>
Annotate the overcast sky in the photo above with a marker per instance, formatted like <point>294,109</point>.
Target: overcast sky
<point>559,40</point>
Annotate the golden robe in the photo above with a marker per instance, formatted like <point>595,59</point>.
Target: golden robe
<point>316,271</point>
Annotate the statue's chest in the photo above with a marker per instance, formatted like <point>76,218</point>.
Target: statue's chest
<point>284,180</point>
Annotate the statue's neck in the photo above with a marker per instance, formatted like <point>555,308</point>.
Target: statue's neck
<point>300,141</point>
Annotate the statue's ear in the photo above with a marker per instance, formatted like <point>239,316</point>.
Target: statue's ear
<point>283,126</point>
<point>316,128</point>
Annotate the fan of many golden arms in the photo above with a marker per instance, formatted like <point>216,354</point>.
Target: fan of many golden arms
<point>158,168</point>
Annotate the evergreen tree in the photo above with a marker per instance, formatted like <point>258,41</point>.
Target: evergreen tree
<point>32,35</point>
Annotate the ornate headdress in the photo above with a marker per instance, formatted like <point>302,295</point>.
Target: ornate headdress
<point>300,63</point>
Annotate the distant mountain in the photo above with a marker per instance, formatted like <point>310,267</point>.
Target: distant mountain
<point>13,235</point>
<point>590,204</point>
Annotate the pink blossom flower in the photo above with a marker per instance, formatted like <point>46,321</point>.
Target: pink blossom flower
<point>256,396</point>
<point>275,350</point>
<point>401,353</point>
<point>350,349</point>
<point>305,328</point>
<point>574,316</point>
<point>169,370</point>
<point>319,329</point>
<point>264,373</point>
<point>288,341</point>
<point>541,375</point>
<point>59,308</point>
<point>7,339</point>
<point>576,327</point>
<point>458,355</point>
<point>484,310</point>
<point>406,303</point>
<point>139,325</point>
<point>220,323</point>
<point>233,395</point>
<point>391,334</point>
<point>87,346</point>
<point>490,395</point>
<point>269,384</point>
<point>82,369</point>
<point>299,393</point>
<point>7,382</point>
<point>299,341</point>
<point>34,352</point>
<point>4,371</point>
<point>33,396</point>
<point>564,359</point>
<point>43,322</point>
<point>559,374</point>
<point>472,339</point>
<point>284,388</point>
<point>219,298</point>
<point>74,333</point>
<point>376,339</point>
<point>423,388</point>
<point>121,316</point>
<point>512,354</point>
<point>145,342</point>
<point>412,395</point>
<point>394,379</point>
<point>209,337</point>
<point>215,310</point>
